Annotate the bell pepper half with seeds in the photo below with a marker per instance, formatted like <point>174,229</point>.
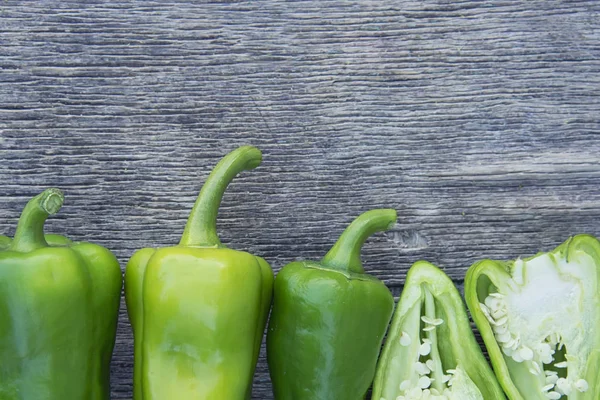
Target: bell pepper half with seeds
<point>430,351</point>
<point>540,320</point>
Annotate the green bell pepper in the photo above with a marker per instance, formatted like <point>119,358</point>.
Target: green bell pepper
<point>539,318</point>
<point>329,319</point>
<point>59,304</point>
<point>430,351</point>
<point>198,309</point>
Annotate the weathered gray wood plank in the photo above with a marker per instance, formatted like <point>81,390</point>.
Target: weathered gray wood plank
<point>477,121</point>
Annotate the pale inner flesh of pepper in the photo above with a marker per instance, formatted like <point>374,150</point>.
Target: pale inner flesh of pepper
<point>543,320</point>
<point>430,376</point>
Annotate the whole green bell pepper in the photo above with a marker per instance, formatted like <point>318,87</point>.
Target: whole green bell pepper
<point>430,350</point>
<point>540,320</point>
<point>198,309</point>
<point>59,304</point>
<point>329,319</point>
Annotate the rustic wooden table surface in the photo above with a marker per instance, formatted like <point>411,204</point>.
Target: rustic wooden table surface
<point>478,121</point>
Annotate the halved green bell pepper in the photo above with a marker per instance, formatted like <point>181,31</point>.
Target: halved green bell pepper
<point>540,320</point>
<point>59,304</point>
<point>198,309</point>
<point>430,351</point>
<point>328,320</point>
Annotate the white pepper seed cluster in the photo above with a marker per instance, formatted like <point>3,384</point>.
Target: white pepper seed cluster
<point>420,389</point>
<point>495,310</point>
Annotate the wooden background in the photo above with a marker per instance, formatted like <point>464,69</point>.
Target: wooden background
<point>477,120</point>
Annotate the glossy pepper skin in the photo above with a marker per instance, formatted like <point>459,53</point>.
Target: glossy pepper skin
<point>198,309</point>
<point>59,304</point>
<point>431,310</point>
<point>539,318</point>
<point>328,320</point>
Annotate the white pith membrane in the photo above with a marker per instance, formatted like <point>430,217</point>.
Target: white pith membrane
<point>543,320</point>
<point>426,378</point>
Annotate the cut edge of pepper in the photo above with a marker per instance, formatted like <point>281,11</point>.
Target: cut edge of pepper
<point>429,289</point>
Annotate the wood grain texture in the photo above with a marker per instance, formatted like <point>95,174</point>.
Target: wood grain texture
<point>478,121</point>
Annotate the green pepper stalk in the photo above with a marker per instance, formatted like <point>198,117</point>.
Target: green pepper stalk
<point>430,351</point>
<point>59,304</point>
<point>539,318</point>
<point>198,310</point>
<point>329,319</point>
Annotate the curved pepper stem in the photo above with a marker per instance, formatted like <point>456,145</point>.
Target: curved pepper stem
<point>30,229</point>
<point>201,227</point>
<point>345,254</point>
